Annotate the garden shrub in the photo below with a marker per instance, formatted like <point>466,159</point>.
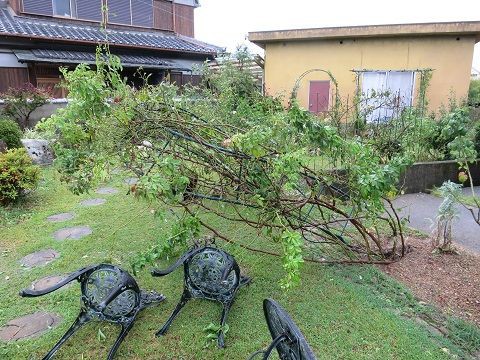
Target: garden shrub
<point>452,126</point>
<point>17,175</point>
<point>411,134</point>
<point>474,93</point>
<point>21,102</point>
<point>477,139</point>
<point>10,133</point>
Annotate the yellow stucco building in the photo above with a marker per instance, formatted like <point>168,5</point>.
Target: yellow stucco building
<point>366,58</point>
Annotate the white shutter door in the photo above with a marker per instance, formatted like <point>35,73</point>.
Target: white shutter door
<point>373,83</point>
<point>400,85</point>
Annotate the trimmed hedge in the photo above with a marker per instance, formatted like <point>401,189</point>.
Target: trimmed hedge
<point>17,175</point>
<point>11,133</point>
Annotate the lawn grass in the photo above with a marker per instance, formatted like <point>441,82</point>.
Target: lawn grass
<point>345,312</point>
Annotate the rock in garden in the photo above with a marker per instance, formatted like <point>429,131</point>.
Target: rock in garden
<point>28,326</point>
<point>60,217</point>
<point>106,191</point>
<point>39,258</point>
<point>131,181</point>
<point>74,233</point>
<point>39,151</point>
<point>47,282</point>
<point>93,202</point>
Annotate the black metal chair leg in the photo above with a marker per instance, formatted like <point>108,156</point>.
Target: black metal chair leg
<point>121,336</point>
<point>221,335</point>
<point>81,320</point>
<point>183,300</point>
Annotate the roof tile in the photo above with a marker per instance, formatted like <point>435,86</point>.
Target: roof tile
<point>18,25</point>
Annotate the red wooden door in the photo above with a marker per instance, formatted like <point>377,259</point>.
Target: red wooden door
<point>319,96</point>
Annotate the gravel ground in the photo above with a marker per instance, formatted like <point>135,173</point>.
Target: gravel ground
<point>452,282</point>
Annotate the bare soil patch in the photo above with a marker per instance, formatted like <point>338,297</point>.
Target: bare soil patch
<point>451,282</point>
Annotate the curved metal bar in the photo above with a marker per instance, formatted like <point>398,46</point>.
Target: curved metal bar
<point>245,280</point>
<point>81,320</point>
<point>227,269</point>
<point>211,146</point>
<point>111,296</point>
<point>73,276</point>
<point>273,345</point>
<point>180,261</point>
<point>256,353</point>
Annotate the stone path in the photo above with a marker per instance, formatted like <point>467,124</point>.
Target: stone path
<point>28,326</point>
<point>46,282</point>
<point>106,191</point>
<point>39,258</point>
<point>74,233</point>
<point>33,325</point>
<point>422,211</point>
<point>93,202</point>
<point>61,217</point>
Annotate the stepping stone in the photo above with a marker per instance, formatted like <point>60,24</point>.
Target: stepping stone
<point>47,282</point>
<point>93,202</point>
<point>131,181</point>
<point>75,233</point>
<point>60,217</point>
<point>28,326</point>
<point>106,191</point>
<point>39,258</point>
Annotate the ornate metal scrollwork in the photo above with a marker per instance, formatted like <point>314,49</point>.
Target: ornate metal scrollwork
<point>108,294</point>
<point>209,273</point>
<point>288,340</point>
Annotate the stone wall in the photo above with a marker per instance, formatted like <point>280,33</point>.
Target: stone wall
<point>423,177</point>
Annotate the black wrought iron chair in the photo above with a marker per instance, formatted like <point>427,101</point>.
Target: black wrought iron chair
<point>108,294</point>
<point>287,337</point>
<point>209,273</point>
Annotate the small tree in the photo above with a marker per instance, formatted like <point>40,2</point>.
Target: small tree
<point>447,212</point>
<point>462,149</point>
<point>21,102</point>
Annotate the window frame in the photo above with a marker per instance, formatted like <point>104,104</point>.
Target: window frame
<point>387,73</point>
<point>73,10</point>
<point>131,17</point>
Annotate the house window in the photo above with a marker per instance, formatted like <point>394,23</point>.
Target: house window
<point>131,12</point>
<point>77,9</point>
<point>386,93</point>
<point>62,8</point>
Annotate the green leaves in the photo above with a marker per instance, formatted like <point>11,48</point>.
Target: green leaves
<point>17,174</point>
<point>292,258</point>
<point>185,229</point>
<point>213,330</point>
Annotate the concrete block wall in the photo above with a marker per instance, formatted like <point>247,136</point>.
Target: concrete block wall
<point>44,111</point>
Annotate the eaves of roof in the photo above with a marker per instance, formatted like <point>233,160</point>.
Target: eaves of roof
<point>471,28</point>
<point>60,32</point>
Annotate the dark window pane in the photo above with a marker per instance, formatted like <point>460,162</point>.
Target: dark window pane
<point>119,12</point>
<point>42,7</point>
<point>89,10</point>
<point>142,13</point>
